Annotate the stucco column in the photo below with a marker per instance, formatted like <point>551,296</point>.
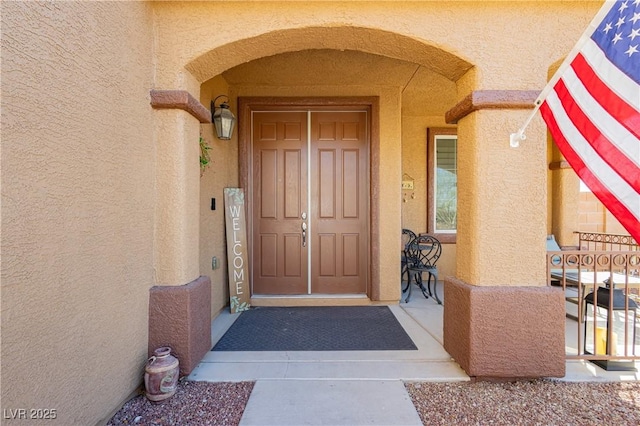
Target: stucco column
<point>501,320</point>
<point>180,303</point>
<point>178,200</point>
<point>501,201</point>
<point>386,198</point>
<point>565,200</point>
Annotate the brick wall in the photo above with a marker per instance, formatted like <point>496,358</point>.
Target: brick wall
<point>593,217</point>
<point>592,213</point>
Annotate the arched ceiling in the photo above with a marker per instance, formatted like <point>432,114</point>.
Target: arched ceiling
<point>424,92</point>
<point>322,67</point>
<point>341,38</point>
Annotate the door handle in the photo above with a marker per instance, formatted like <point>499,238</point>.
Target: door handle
<point>304,234</point>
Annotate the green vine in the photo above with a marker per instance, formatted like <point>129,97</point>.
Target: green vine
<point>204,155</point>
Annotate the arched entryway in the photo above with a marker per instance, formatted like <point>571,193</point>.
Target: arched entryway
<point>409,97</point>
<point>206,63</point>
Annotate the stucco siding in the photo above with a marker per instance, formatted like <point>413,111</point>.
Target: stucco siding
<point>218,175</point>
<point>501,201</point>
<point>78,189</point>
<point>492,35</point>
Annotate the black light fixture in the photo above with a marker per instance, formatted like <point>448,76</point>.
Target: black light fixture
<point>223,118</point>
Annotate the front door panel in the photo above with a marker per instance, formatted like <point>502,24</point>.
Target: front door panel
<point>339,200</point>
<point>310,170</point>
<point>279,200</point>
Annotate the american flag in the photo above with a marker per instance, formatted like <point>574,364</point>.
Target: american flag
<point>592,109</point>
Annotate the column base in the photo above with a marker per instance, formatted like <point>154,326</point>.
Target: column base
<point>502,332</point>
<point>180,317</point>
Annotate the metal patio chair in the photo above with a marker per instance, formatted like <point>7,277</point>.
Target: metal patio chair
<point>407,237</point>
<point>421,256</point>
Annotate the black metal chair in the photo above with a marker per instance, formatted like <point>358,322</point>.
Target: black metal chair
<point>407,237</point>
<point>421,255</point>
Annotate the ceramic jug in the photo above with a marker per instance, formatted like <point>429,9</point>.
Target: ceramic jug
<point>161,375</point>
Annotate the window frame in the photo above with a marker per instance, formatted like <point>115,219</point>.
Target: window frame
<point>432,132</point>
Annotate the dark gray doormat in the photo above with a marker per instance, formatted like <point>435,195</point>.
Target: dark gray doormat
<point>331,328</point>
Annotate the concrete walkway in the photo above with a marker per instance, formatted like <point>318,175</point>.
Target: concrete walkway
<point>330,402</point>
<point>352,387</point>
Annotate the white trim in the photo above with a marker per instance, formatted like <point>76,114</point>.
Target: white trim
<point>308,202</point>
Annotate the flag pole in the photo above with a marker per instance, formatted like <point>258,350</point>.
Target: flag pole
<point>519,136</point>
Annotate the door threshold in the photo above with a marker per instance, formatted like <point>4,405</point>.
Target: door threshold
<point>311,300</point>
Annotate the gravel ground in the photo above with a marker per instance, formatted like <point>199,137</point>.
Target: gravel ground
<point>536,402</point>
<point>195,403</point>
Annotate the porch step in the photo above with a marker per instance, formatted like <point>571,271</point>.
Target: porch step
<point>421,319</point>
<point>434,371</point>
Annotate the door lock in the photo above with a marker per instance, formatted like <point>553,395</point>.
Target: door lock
<point>304,234</point>
<point>304,229</point>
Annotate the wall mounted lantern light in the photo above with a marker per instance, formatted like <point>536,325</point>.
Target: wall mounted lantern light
<point>223,118</point>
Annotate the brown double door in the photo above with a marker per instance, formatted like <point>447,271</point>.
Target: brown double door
<point>310,192</point>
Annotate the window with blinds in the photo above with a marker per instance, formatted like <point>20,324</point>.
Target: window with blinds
<point>445,183</point>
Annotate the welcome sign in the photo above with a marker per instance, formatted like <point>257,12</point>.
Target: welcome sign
<point>236,226</point>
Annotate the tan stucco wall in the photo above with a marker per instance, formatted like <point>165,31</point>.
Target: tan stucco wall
<point>479,35</point>
<point>565,206</point>
<point>425,99</point>
<point>177,208</point>
<point>78,193</point>
<point>501,200</point>
<point>221,173</point>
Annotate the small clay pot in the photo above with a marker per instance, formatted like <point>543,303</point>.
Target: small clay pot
<point>161,375</point>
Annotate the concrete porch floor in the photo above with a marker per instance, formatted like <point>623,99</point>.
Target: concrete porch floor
<point>422,320</point>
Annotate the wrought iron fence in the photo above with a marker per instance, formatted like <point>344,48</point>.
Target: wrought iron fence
<point>602,292</point>
<point>607,242</point>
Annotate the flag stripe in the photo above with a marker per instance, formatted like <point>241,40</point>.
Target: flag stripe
<point>619,161</point>
<point>618,209</point>
<point>622,138</point>
<point>590,158</point>
<point>612,77</point>
<point>620,110</point>
<point>618,81</point>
